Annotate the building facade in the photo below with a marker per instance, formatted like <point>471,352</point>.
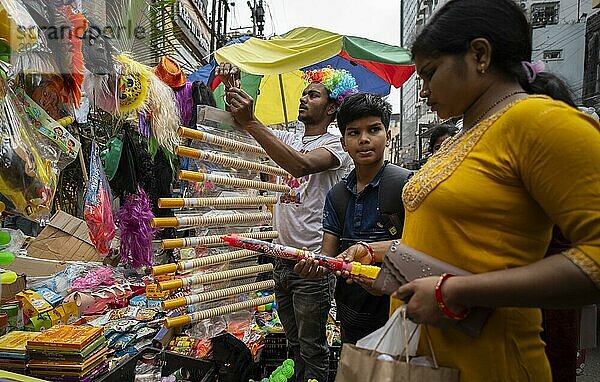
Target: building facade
<point>408,144</point>
<point>558,38</point>
<point>181,29</point>
<point>591,75</point>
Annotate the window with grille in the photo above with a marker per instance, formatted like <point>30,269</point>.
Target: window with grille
<point>555,54</point>
<point>544,14</point>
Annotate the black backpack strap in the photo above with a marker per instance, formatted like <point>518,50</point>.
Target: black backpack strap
<point>391,209</point>
<point>340,196</point>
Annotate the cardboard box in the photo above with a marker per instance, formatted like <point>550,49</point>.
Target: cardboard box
<point>53,298</point>
<point>33,267</point>
<point>69,312</point>
<point>65,238</point>
<point>9,291</point>
<point>33,303</point>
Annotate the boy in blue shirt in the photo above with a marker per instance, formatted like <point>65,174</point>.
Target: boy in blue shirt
<point>363,120</point>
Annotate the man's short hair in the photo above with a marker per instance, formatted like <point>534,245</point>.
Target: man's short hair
<point>362,105</point>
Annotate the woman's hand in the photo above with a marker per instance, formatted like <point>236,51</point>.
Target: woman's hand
<point>422,306</point>
<point>356,252</point>
<point>366,284</point>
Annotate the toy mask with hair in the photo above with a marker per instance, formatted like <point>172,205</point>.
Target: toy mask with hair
<point>339,82</point>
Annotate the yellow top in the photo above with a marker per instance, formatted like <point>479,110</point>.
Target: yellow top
<point>487,201</point>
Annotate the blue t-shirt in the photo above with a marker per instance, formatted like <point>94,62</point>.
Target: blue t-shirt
<point>359,312</point>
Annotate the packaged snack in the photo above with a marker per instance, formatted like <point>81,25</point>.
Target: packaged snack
<point>33,303</point>
<point>53,298</point>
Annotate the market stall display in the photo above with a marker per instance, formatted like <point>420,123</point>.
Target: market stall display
<point>126,188</point>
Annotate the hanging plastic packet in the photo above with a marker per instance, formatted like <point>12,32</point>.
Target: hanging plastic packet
<point>98,212</point>
<point>17,27</point>
<point>68,146</point>
<point>28,171</point>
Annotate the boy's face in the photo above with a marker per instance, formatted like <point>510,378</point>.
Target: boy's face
<point>365,139</point>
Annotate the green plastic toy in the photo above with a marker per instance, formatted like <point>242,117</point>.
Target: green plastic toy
<point>283,372</point>
<point>6,257</point>
<point>4,238</point>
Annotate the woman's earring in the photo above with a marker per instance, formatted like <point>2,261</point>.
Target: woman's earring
<point>482,69</point>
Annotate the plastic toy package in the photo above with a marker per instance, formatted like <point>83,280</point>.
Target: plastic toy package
<point>17,27</point>
<point>28,166</point>
<point>98,210</point>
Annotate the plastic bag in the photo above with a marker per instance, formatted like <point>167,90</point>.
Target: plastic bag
<point>28,171</point>
<point>17,27</point>
<point>98,212</point>
<point>390,338</point>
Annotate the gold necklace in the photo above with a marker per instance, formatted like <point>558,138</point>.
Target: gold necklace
<point>500,100</point>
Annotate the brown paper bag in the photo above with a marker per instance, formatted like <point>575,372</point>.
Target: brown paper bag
<point>357,364</point>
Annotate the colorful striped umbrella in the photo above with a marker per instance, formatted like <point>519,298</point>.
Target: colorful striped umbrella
<point>271,69</point>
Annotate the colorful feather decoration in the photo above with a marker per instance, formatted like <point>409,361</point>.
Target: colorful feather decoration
<point>133,220</point>
<point>78,28</point>
<point>164,113</point>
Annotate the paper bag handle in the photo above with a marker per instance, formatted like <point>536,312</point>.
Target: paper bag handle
<point>408,338</point>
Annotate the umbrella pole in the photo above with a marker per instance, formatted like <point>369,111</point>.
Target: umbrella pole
<point>285,117</point>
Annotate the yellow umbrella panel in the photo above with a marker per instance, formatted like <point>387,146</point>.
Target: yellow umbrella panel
<point>266,91</point>
<point>269,107</point>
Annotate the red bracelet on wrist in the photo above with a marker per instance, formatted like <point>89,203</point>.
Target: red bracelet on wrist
<point>370,250</point>
<point>440,300</point>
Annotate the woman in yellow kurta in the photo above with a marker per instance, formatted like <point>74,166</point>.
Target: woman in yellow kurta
<point>487,200</point>
<point>490,197</point>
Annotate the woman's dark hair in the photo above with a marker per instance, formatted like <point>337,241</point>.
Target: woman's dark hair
<point>503,23</point>
<point>440,131</point>
<point>361,105</point>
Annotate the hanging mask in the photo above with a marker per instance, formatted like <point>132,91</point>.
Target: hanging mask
<point>97,51</point>
<point>133,91</point>
<point>48,93</point>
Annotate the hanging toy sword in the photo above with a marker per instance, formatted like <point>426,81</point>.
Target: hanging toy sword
<point>277,250</point>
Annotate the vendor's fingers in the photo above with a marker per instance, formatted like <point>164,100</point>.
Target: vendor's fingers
<point>235,102</point>
<point>404,291</point>
<point>234,71</point>
<point>315,269</point>
<point>229,74</point>
<point>239,92</point>
<point>303,268</point>
<point>225,68</point>
<point>307,268</point>
<point>346,274</point>
<point>300,268</point>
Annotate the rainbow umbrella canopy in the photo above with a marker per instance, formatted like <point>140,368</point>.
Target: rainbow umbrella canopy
<point>272,69</point>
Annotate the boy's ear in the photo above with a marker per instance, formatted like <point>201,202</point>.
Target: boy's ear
<point>388,137</point>
<point>343,142</point>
